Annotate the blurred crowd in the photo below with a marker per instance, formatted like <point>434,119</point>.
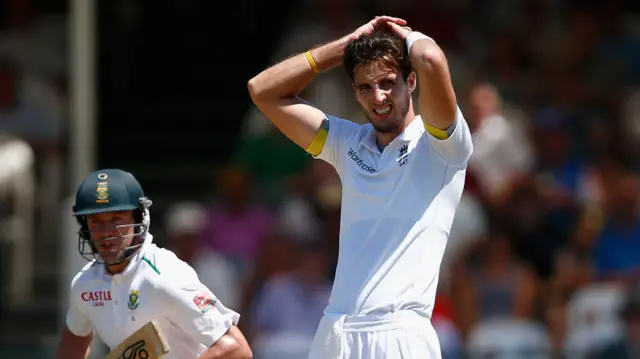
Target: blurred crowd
<point>543,258</point>
<point>33,124</point>
<point>544,254</point>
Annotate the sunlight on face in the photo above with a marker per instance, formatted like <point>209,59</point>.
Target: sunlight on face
<point>384,95</point>
<point>109,239</point>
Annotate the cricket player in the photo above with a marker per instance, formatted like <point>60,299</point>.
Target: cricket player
<point>129,281</point>
<point>402,178</point>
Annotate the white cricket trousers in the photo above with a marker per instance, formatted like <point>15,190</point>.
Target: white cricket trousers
<point>399,335</point>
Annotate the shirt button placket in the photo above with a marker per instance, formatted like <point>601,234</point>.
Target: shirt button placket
<point>115,283</point>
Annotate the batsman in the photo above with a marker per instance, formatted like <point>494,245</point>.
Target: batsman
<point>129,281</point>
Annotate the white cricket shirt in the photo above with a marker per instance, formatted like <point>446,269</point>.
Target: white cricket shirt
<point>155,285</point>
<point>397,208</point>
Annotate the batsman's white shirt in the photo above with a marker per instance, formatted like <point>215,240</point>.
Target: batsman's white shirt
<point>398,205</point>
<point>155,285</point>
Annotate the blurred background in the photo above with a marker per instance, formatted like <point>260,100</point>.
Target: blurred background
<point>544,255</point>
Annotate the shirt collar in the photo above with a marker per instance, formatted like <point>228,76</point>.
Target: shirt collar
<point>139,256</point>
<point>412,132</point>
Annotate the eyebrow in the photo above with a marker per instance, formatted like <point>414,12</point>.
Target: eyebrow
<point>386,77</point>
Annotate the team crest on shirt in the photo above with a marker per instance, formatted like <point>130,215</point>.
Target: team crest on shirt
<point>204,302</point>
<point>403,155</point>
<point>133,299</point>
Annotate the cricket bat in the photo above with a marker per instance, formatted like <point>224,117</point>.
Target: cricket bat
<point>147,342</point>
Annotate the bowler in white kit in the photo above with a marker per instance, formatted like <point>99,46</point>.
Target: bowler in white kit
<point>402,178</point>
<point>129,281</point>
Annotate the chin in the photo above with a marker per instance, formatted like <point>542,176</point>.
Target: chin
<point>109,259</point>
<point>110,256</point>
<point>384,129</point>
<point>387,126</point>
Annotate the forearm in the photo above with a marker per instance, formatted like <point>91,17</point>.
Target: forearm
<point>72,353</point>
<point>73,347</point>
<point>289,77</point>
<point>438,104</point>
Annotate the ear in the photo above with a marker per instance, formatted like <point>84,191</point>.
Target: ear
<point>412,81</point>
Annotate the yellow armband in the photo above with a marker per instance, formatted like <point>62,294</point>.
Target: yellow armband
<point>436,132</point>
<point>318,142</point>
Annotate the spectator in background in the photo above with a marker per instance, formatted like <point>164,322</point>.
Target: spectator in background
<point>560,170</point>
<point>328,203</point>
<point>312,206</point>
<point>32,110</point>
<point>537,230</point>
<point>289,307</point>
<point>617,248</point>
<point>629,346</point>
<point>467,232</point>
<point>272,159</point>
<point>502,150</point>
<point>21,118</point>
<point>497,285</point>
<point>276,257</point>
<point>17,155</point>
<point>451,344</point>
<point>184,225</point>
<point>630,124</point>
<point>297,214</point>
<point>235,225</point>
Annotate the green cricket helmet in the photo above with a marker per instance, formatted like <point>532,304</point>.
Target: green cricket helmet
<point>111,190</point>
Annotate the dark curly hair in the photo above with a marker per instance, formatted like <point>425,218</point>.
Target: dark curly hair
<point>383,46</point>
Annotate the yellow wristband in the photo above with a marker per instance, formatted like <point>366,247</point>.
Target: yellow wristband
<point>312,62</point>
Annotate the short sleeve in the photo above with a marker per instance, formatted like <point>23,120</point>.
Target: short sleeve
<point>77,321</point>
<point>197,312</point>
<point>455,145</point>
<point>330,140</point>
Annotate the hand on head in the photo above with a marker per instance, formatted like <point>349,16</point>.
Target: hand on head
<point>395,24</point>
<point>400,31</point>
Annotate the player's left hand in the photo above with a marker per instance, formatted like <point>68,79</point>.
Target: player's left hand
<point>401,31</point>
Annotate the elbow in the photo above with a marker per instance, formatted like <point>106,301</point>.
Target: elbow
<point>241,351</point>
<point>254,90</point>
<point>229,350</point>
<point>245,353</point>
<point>259,93</point>
<point>232,345</point>
<point>432,59</point>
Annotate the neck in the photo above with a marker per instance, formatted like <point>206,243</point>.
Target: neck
<point>117,268</point>
<point>384,138</point>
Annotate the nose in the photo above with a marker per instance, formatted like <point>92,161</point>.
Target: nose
<point>379,96</point>
<point>108,235</point>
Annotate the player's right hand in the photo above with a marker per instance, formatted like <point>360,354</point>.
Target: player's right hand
<point>400,31</point>
<point>377,23</point>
